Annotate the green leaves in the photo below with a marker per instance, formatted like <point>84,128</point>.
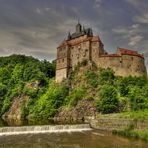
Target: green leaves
<point>76,95</point>
<point>48,103</point>
<point>106,76</point>
<point>18,70</point>
<point>108,102</point>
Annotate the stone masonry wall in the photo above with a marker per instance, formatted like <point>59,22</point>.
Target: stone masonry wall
<point>124,65</point>
<point>70,53</point>
<point>110,124</point>
<point>61,74</point>
<point>79,52</point>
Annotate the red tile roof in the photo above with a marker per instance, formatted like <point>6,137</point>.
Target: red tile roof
<point>80,40</point>
<point>110,55</point>
<point>124,51</point>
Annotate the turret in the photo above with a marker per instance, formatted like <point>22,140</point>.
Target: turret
<point>83,31</point>
<point>90,32</point>
<point>69,36</point>
<point>78,28</point>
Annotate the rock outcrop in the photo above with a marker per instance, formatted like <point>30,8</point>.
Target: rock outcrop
<point>81,112</point>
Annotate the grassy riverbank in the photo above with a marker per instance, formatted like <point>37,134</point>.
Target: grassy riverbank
<point>132,134</point>
<point>127,124</point>
<point>135,115</point>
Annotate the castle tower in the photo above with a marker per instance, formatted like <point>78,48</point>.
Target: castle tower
<point>80,45</point>
<point>83,45</point>
<point>62,62</point>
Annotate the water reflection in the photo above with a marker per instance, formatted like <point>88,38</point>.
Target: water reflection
<point>14,122</point>
<point>87,139</point>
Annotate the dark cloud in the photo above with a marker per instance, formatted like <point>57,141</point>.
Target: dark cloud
<point>36,27</point>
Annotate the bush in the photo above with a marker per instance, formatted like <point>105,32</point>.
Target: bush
<point>137,98</point>
<point>106,76</point>
<point>76,95</point>
<point>48,103</point>
<point>108,102</point>
<point>92,78</point>
<point>84,62</point>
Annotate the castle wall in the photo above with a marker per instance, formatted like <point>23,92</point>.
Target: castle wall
<point>61,74</point>
<point>96,50</point>
<point>62,63</point>
<point>83,45</point>
<point>79,52</point>
<point>124,65</point>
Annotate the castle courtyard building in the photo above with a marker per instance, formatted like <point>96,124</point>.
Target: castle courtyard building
<point>83,45</point>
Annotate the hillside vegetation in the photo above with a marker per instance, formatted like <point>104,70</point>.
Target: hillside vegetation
<point>28,90</point>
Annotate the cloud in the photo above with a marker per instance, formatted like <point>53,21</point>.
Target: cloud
<point>38,11</point>
<point>141,10</point>
<point>134,2</point>
<point>133,29</point>
<point>120,30</point>
<point>97,3</point>
<point>130,33</point>
<point>141,19</point>
<point>135,40</point>
<point>36,27</point>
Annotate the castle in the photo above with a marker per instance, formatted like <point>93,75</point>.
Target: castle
<point>83,45</point>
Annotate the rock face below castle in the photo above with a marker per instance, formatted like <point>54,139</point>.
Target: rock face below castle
<point>82,45</point>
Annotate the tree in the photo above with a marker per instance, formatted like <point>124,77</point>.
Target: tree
<point>108,102</point>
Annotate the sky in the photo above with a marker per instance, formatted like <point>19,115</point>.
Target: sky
<point>37,27</point>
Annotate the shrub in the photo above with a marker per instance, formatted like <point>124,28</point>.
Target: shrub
<point>84,62</point>
<point>106,76</point>
<point>92,78</point>
<point>108,102</point>
<point>48,103</point>
<point>137,98</point>
<point>76,95</point>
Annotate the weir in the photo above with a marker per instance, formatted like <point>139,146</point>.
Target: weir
<point>43,129</point>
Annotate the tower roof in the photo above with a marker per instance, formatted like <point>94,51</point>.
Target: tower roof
<point>80,31</point>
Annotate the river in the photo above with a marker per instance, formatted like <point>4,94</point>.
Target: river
<point>67,136</point>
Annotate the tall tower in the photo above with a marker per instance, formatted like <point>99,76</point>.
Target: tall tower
<point>79,46</point>
<point>62,62</point>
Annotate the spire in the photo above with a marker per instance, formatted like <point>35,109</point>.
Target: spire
<point>78,27</point>
<point>78,21</point>
<point>91,32</point>
<point>83,29</point>
<point>69,36</point>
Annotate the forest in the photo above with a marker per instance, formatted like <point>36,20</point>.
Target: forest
<point>32,82</point>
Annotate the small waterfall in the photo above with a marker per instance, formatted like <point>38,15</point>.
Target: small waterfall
<point>43,129</point>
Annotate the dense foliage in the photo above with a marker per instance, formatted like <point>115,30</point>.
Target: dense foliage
<point>31,83</point>
<point>17,72</point>
<point>108,102</point>
<point>117,94</point>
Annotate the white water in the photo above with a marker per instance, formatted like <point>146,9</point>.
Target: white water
<point>43,129</point>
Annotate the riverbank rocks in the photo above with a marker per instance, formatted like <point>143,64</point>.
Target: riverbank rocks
<point>14,115</point>
<point>84,110</point>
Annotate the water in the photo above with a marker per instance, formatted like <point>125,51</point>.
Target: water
<point>4,131</point>
<point>67,136</point>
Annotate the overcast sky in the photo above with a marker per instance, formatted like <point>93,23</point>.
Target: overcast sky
<point>36,27</point>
